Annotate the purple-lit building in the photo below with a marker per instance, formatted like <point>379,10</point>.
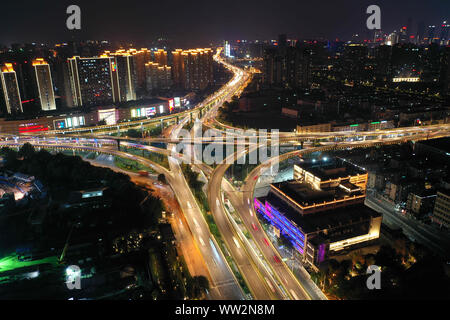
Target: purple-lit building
<point>322,211</point>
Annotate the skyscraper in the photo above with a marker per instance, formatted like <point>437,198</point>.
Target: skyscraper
<point>443,38</point>
<point>420,32</point>
<point>11,93</point>
<point>44,85</point>
<point>140,58</point>
<point>193,69</point>
<point>94,81</point>
<point>178,68</point>
<point>158,77</point>
<point>161,57</point>
<point>287,67</point>
<point>429,35</point>
<point>126,74</point>
<point>445,71</point>
<point>198,68</point>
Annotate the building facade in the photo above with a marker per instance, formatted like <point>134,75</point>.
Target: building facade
<point>321,211</point>
<point>441,213</point>
<point>44,84</point>
<point>94,81</point>
<point>192,69</point>
<point>10,89</point>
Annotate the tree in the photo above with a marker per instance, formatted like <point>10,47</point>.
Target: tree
<point>133,133</point>
<point>10,157</point>
<point>162,178</point>
<point>26,151</point>
<point>202,282</point>
<point>197,286</point>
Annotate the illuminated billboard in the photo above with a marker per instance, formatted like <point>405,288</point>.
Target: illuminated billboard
<point>32,127</point>
<point>60,124</point>
<point>143,112</point>
<point>177,102</point>
<point>151,111</point>
<point>74,122</point>
<point>108,115</point>
<point>171,105</point>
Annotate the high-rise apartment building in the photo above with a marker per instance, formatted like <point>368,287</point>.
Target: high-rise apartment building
<point>126,74</point>
<point>178,68</point>
<point>161,57</point>
<point>193,69</point>
<point>198,68</point>
<point>94,81</point>
<point>286,67</point>
<point>10,89</point>
<point>158,77</point>
<point>140,58</point>
<point>44,84</point>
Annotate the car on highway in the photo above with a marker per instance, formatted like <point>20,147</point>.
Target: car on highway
<point>254,227</point>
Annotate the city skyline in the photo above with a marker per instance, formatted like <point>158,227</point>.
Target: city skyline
<point>203,22</point>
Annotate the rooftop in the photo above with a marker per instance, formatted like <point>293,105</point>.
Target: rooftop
<point>331,169</point>
<point>324,220</point>
<point>304,195</point>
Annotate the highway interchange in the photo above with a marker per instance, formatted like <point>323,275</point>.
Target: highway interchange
<point>257,260</point>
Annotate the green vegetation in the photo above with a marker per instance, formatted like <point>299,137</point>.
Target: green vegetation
<point>153,130</point>
<point>155,157</point>
<point>131,165</point>
<point>12,262</point>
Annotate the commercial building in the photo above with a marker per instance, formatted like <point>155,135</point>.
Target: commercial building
<point>94,81</point>
<point>321,127</point>
<point>321,211</point>
<point>421,203</point>
<point>44,84</point>
<point>441,213</point>
<point>346,127</point>
<point>10,89</point>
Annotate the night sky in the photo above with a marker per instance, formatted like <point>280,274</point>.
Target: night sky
<point>190,23</point>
